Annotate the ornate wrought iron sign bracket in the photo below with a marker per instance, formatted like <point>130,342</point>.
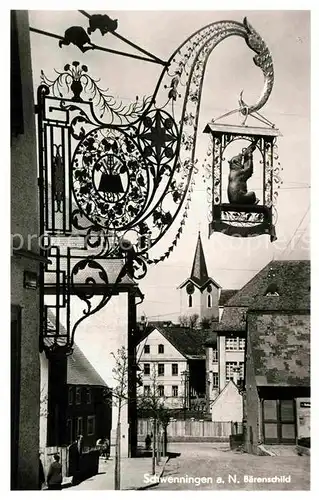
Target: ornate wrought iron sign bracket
<point>113,178</point>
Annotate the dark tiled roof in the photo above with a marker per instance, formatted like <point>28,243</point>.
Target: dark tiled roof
<point>292,278</point>
<point>80,370</point>
<point>226,295</point>
<point>232,320</point>
<point>280,349</point>
<point>188,342</point>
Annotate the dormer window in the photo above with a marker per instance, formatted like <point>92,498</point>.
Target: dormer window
<point>272,290</point>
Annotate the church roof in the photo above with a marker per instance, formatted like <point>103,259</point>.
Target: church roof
<point>199,272</point>
<point>199,275</point>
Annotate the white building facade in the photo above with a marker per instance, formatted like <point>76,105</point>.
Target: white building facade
<point>161,363</point>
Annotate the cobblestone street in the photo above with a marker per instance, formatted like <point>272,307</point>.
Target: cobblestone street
<point>220,468</point>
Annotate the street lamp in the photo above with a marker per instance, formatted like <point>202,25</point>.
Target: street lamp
<point>185,381</point>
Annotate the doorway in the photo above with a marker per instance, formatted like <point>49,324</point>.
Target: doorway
<point>279,421</point>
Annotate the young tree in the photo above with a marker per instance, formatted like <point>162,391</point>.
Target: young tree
<point>153,404</point>
<point>119,396</point>
<point>193,319</point>
<point>183,321</point>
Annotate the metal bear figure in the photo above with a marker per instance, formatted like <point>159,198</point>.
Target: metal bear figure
<point>78,36</point>
<point>103,23</point>
<point>240,170</point>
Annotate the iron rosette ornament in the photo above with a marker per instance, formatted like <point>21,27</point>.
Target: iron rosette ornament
<point>132,175</point>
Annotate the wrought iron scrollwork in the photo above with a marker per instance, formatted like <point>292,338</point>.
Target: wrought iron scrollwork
<point>74,83</point>
<point>134,172</point>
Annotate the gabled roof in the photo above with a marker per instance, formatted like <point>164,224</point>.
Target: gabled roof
<point>292,279</point>
<point>81,372</point>
<point>190,343</point>
<point>225,296</point>
<point>79,369</point>
<point>280,352</point>
<point>199,275</point>
<point>229,386</point>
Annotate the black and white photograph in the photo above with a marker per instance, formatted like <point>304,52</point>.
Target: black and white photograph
<point>160,248</point>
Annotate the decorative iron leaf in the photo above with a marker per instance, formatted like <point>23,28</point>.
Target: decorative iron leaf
<point>79,266</point>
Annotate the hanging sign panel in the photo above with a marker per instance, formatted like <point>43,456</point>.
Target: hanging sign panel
<point>245,180</point>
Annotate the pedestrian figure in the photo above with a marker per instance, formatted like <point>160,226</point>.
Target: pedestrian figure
<point>54,477</point>
<point>80,444</point>
<point>41,473</point>
<point>106,449</point>
<point>148,441</point>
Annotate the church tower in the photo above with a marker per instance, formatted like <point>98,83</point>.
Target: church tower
<point>199,293</point>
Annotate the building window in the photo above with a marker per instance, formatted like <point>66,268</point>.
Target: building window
<point>231,344</point>
<point>147,390</point>
<point>235,344</point>
<point>241,365</point>
<point>209,301</point>
<point>232,366</point>
<point>88,396</point>
<point>272,290</point>
<point>215,381</point>
<point>161,390</point>
<point>161,349</point>
<point>78,395</point>
<point>190,301</point>
<point>241,344</point>
<point>79,426</point>
<point>175,391</point>
<point>215,356</point>
<point>70,397</point>
<point>146,368</point>
<point>90,425</point>
<point>146,349</point>
<point>174,369</point>
<point>160,369</point>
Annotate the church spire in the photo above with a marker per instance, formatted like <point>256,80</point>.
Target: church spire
<point>199,270</point>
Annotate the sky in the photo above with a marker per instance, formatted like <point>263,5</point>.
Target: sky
<point>230,261</point>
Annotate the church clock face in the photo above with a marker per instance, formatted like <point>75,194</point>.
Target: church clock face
<point>190,288</point>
